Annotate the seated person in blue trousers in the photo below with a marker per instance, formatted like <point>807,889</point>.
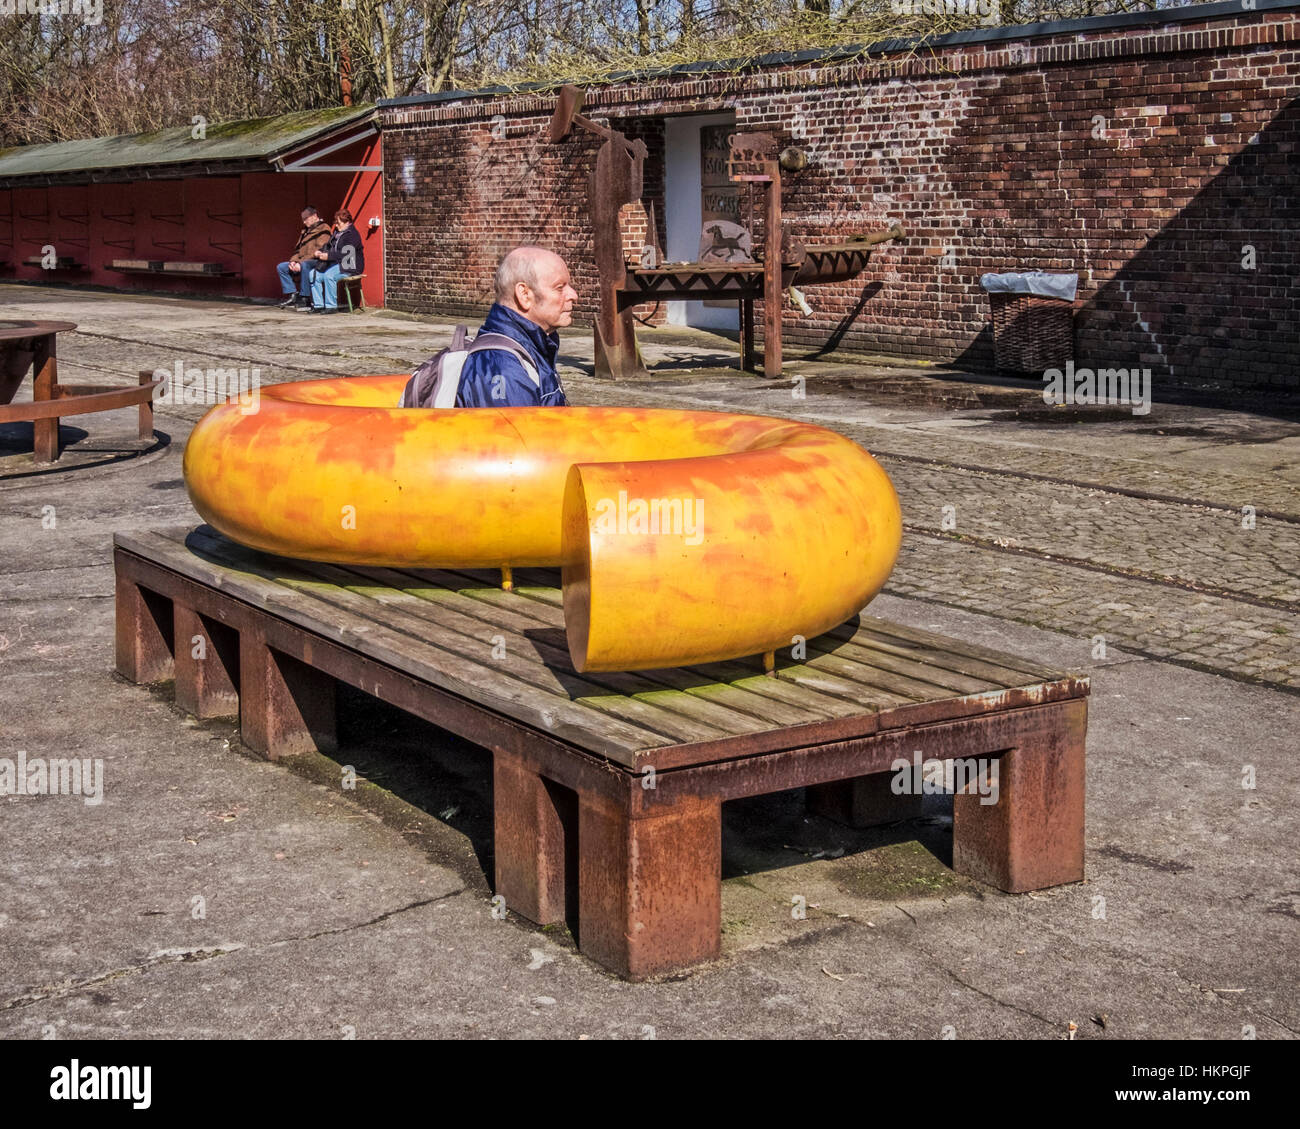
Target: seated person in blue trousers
<point>343,255</point>
<point>295,273</point>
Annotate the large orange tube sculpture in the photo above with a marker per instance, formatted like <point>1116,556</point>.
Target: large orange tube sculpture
<point>684,537</point>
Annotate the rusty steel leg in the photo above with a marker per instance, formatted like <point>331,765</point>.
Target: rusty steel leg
<point>207,658</point>
<point>285,706</point>
<point>1032,837</point>
<point>529,839</point>
<point>773,292</point>
<point>650,886</point>
<point>143,633</point>
<point>146,409</point>
<point>46,382</point>
<point>862,801</point>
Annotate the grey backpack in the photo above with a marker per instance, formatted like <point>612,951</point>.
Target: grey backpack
<point>436,382</point>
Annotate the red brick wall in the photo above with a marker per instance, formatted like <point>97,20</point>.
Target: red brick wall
<point>1154,160</point>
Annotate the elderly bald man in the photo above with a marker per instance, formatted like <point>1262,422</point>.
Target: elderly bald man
<point>535,297</point>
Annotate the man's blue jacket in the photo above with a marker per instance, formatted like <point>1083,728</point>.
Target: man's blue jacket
<point>495,378</point>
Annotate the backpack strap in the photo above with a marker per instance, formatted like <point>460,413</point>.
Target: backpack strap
<point>485,341</point>
<point>436,382</point>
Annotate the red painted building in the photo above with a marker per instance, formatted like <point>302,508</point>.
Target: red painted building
<point>223,198</point>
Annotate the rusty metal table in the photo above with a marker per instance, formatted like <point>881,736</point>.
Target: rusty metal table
<point>608,788</point>
<point>30,345</point>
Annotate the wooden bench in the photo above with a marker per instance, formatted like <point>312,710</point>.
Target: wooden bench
<point>608,787</point>
<point>63,262</point>
<point>175,269</point>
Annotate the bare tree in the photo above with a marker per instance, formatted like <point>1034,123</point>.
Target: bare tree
<point>155,63</point>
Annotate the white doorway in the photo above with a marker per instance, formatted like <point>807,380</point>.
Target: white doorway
<point>686,183</point>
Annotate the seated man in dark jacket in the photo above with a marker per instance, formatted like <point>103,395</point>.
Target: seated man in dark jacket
<point>535,297</point>
<point>295,272</point>
<point>343,255</point>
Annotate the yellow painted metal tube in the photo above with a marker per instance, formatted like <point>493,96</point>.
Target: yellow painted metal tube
<point>684,537</point>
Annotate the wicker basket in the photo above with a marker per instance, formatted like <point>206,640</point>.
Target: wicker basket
<point>1031,333</point>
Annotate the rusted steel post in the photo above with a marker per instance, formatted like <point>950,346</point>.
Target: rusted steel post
<point>143,633</point>
<point>1032,837</point>
<point>863,801</point>
<point>532,852</point>
<point>650,885</point>
<point>772,289</point>
<point>285,706</point>
<point>205,682</point>
<point>146,407</point>
<point>46,387</point>
<point>616,180</point>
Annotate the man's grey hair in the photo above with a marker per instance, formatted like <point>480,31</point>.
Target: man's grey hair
<point>520,265</point>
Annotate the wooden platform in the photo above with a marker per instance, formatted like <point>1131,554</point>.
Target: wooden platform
<point>609,786</point>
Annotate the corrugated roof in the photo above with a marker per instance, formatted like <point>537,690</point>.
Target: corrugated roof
<point>257,139</point>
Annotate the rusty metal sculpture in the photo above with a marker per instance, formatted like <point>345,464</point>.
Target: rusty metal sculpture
<point>30,345</point>
<point>617,180</point>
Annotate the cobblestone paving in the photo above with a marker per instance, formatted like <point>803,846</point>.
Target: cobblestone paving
<point>1188,543</point>
<point>1030,455</point>
<point>1140,617</point>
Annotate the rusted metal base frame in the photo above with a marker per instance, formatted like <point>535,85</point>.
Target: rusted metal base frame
<point>1030,838</point>
<point>640,864</point>
<point>222,659</point>
<point>649,859</point>
<point>45,367</point>
<point>51,401</point>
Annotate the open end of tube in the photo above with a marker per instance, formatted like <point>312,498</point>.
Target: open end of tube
<point>575,572</point>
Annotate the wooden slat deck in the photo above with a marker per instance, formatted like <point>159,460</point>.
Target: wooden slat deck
<point>443,625</point>
<point>631,767</point>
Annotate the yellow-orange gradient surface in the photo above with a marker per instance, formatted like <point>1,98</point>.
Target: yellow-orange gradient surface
<point>684,537</point>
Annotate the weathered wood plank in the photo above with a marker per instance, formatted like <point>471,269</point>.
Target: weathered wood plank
<point>736,673</point>
<point>943,682</point>
<point>846,642</point>
<point>518,657</point>
<point>551,647</point>
<point>743,703</point>
<point>580,725</point>
<point>948,646</point>
<point>553,668</point>
<point>950,658</point>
